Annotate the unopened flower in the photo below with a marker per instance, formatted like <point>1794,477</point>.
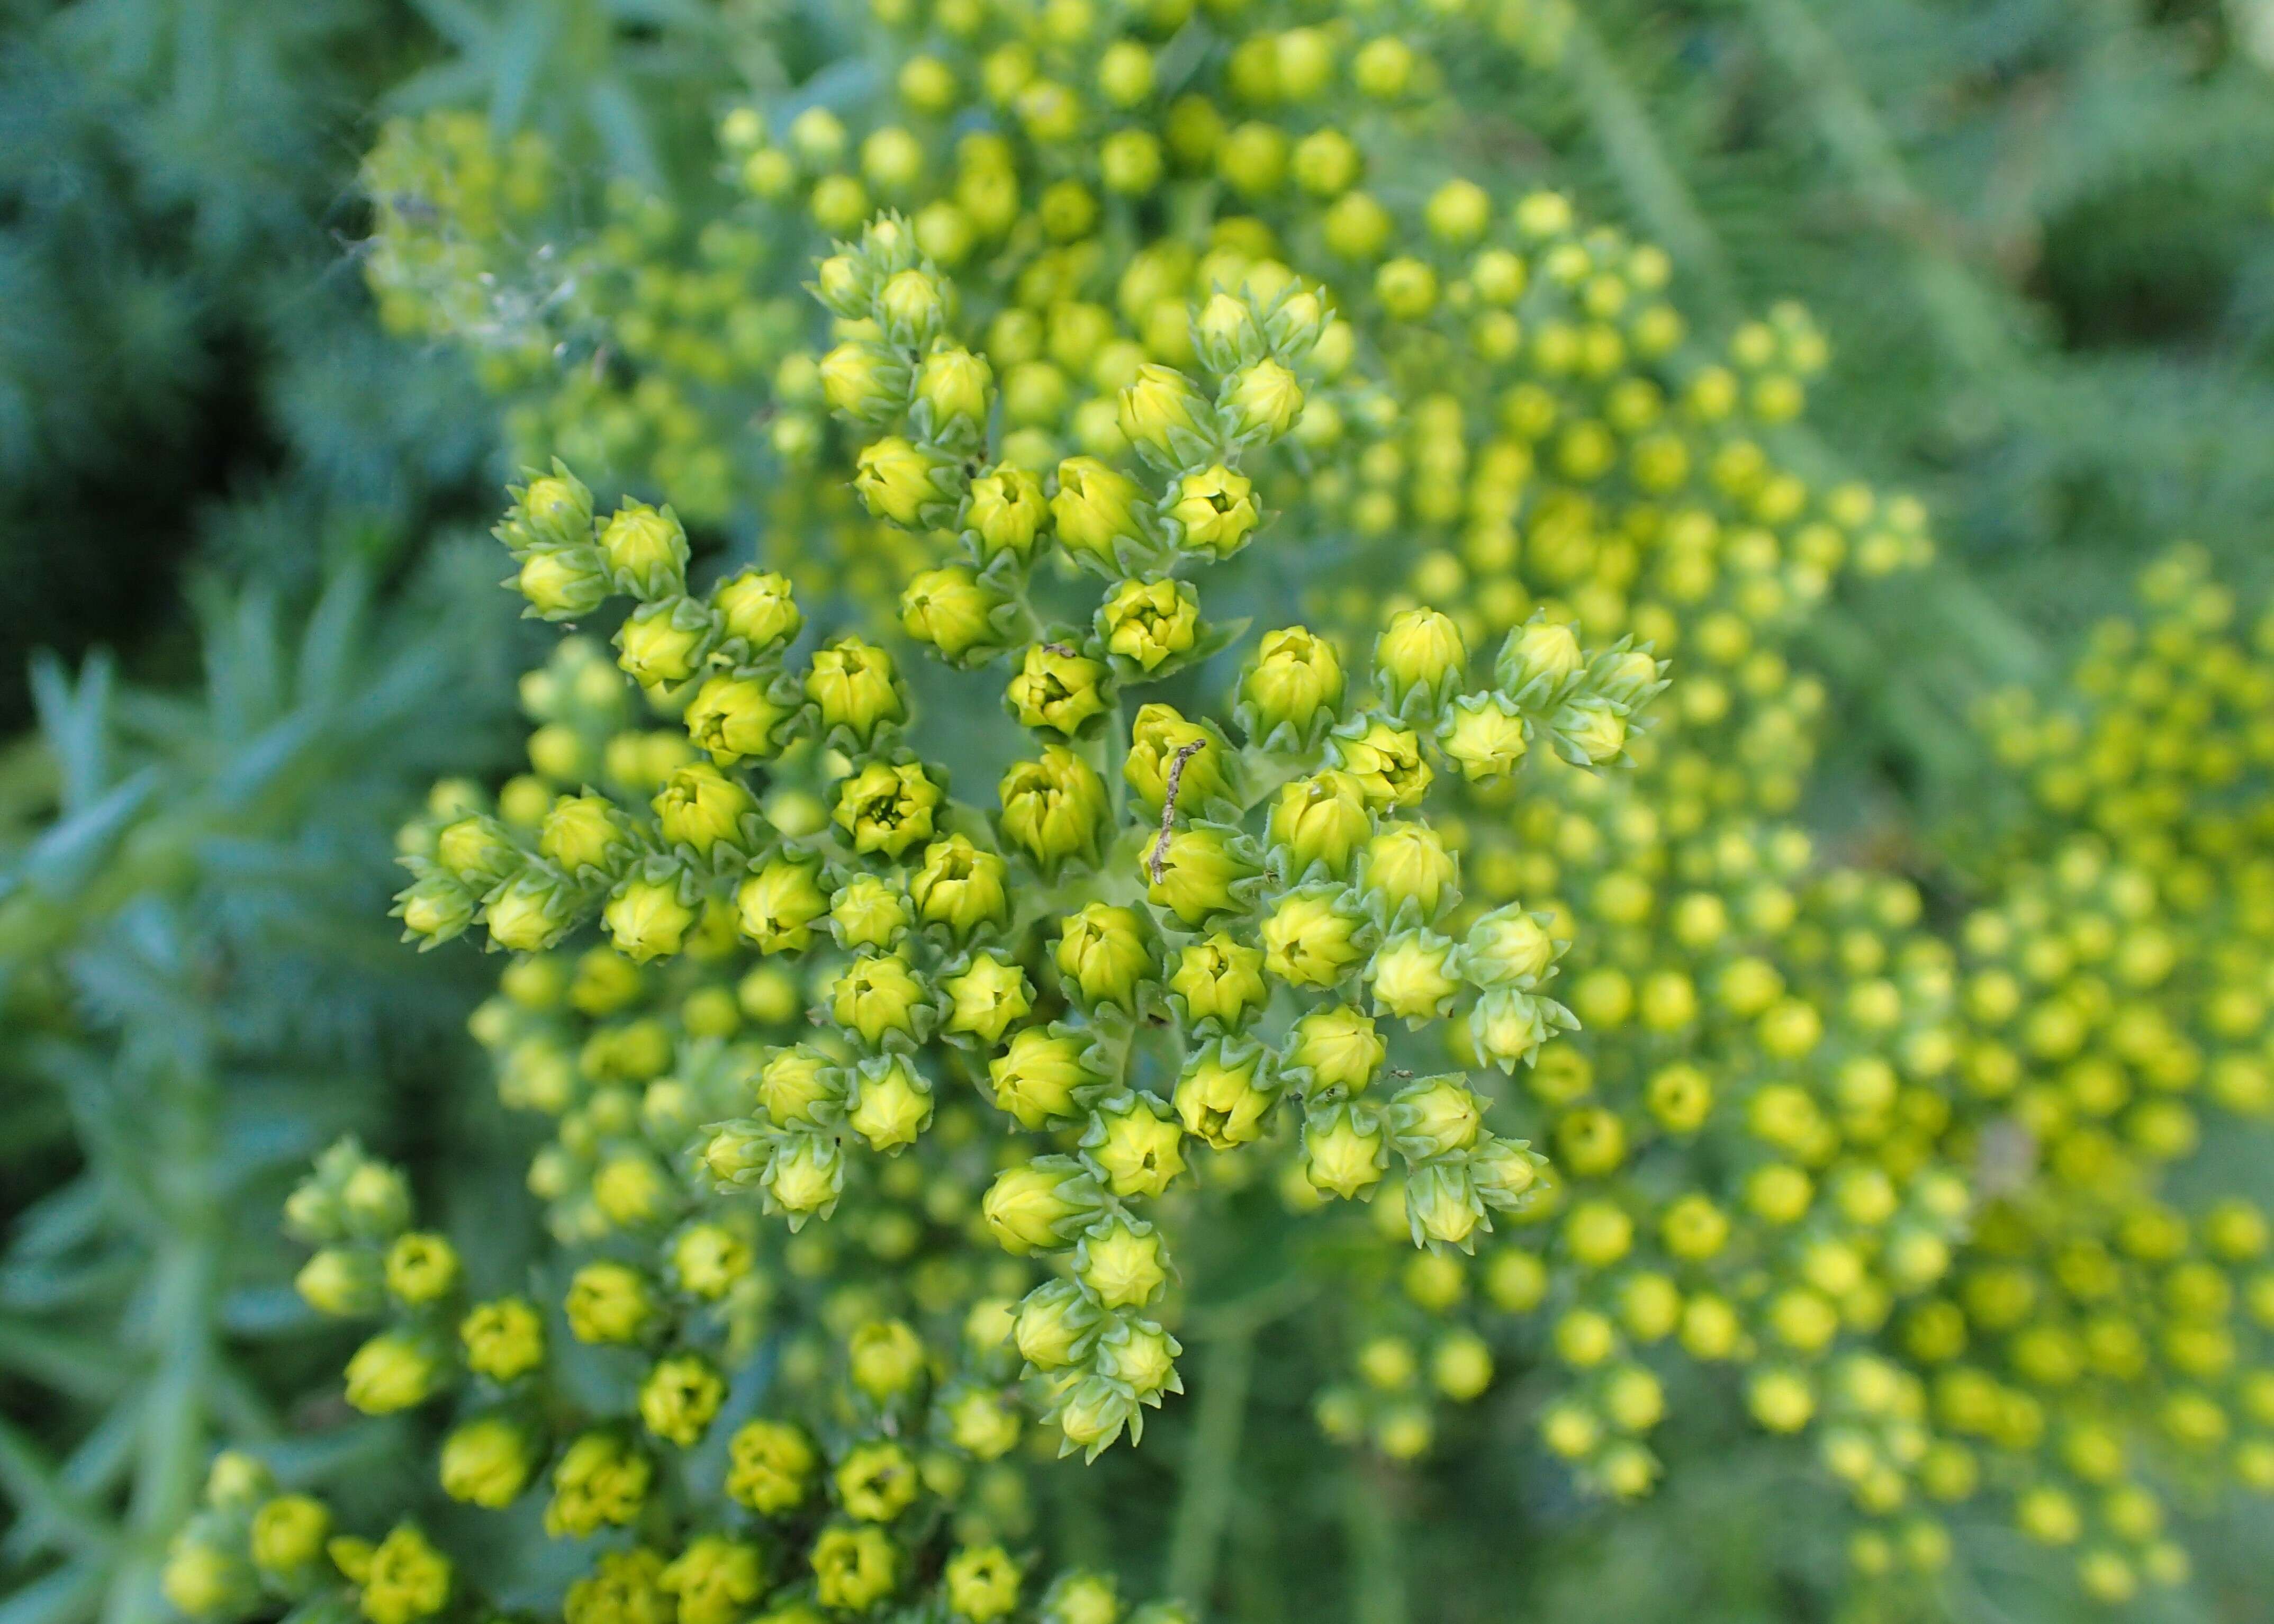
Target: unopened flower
<point>756,609</point>
<point>1222,1095</point>
<point>1149,622</point>
<point>1057,687</point>
<point>645,550</point>
<point>1215,510</point>
<point>887,807</point>
<point>1053,807</point>
<point>949,609</point>
<point>1297,676</point>
<point>1007,512</point>
<point>854,686</point>
<point>1094,510</point>
<point>1162,742</point>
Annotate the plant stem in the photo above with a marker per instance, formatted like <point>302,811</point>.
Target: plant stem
<point>1975,337</point>
<point>1647,173</point>
<point>169,1461</point>
<point>1211,1465</point>
<point>1370,1520</point>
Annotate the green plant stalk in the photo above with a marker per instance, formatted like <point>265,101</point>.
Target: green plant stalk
<point>1211,1465</point>
<point>1660,197</point>
<point>1370,1527</point>
<point>1976,337</point>
<point>169,1461</point>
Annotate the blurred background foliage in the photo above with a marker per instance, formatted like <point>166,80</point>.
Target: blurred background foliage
<point>242,621</point>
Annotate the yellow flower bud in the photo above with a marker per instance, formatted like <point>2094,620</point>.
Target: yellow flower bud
<point>421,1269</point>
<point>1192,874</point>
<point>656,649</point>
<point>986,999</point>
<point>715,1580</point>
<point>680,1397</point>
<point>1297,679</point>
<point>875,995</point>
<point>1436,1116</point>
<point>1509,946</point>
<point>701,807</point>
<point>887,807</point>
<point>1054,1323</point>
<point>487,1463</point>
<point>1215,510</point>
<point>1038,1205</point>
<point>958,387</point>
<point>890,1104</point>
<point>646,920</point>
<point>1262,401</point>
<point>876,1480</point>
<point>646,550</point>
<point>563,583</point>
<point>1219,979</point>
<point>959,886</point>
<point>1149,622</point>
<point>1007,512</point>
<point>408,1579</point>
<point>1407,288</point>
<point>770,1466</point>
<point>337,1282</point>
<point>1158,737</point>
<point>1484,736</point>
<point>1122,1264</point>
<point>504,1340</point>
<point>756,609</point>
<point>910,485</point>
<point>950,609</point>
<point>288,1533</point>
<point>1441,1205</point>
<point>1308,941</point>
<point>1054,807</point>
<point>709,1261</point>
<point>1411,976</point>
<point>1221,1096</point>
<point>982,1581</point>
<point>1407,863</point>
<point>864,381</point>
<point>1142,1356</point>
<point>393,1371</point>
<point>1101,956</point>
<point>1339,1045</point>
<point>1164,416</point>
<point>1094,510</point>
<point>1344,1152</point>
<point>854,1568</point>
<point>1036,1079</point>
<point>1057,688</point>
<point>609,1303</point>
<point>601,1481</point>
<point>887,1360</point>
<point>868,911</point>
<point>1139,1152</point>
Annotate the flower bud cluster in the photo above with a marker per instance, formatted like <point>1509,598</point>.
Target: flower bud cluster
<point>892,1495</point>
<point>1939,1200</point>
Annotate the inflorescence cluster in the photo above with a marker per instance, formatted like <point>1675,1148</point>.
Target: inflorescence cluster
<point>877,1096</point>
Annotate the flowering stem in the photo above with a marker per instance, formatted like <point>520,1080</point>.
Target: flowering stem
<point>1369,1519</point>
<point>173,1407</point>
<point>1210,1464</point>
